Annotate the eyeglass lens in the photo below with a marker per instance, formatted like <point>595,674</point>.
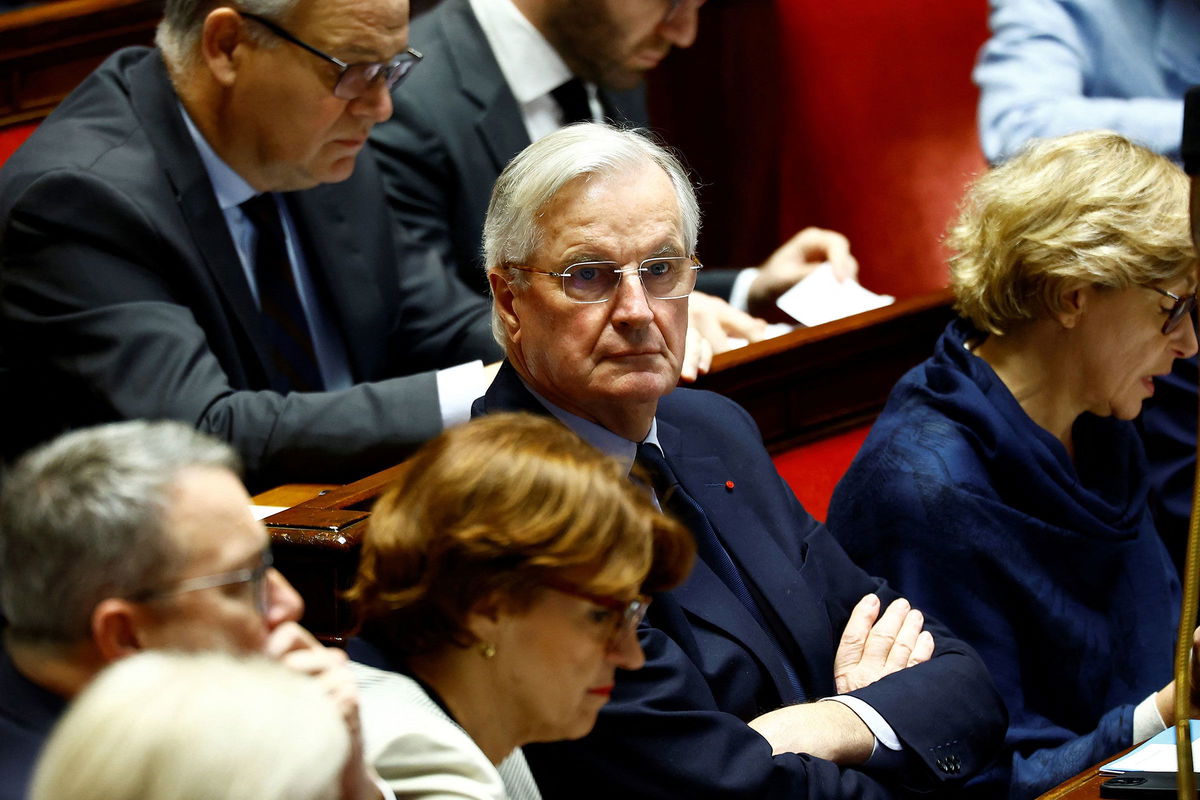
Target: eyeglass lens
<point>356,80</point>
<point>635,612</point>
<point>1179,312</point>
<point>662,279</point>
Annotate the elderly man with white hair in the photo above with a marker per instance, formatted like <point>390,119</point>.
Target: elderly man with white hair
<point>590,247</point>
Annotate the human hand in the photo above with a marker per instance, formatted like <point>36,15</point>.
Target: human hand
<point>711,323</point>
<point>795,260</point>
<point>868,650</point>
<point>1164,700</point>
<point>298,650</point>
<point>826,729</point>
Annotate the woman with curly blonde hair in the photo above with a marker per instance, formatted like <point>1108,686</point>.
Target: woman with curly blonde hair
<point>1003,487</point>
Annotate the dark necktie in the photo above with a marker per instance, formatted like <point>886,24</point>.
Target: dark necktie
<point>572,98</point>
<point>282,314</point>
<point>672,495</point>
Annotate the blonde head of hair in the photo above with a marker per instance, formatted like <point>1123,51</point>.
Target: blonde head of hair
<point>1089,208</point>
<point>176,726</point>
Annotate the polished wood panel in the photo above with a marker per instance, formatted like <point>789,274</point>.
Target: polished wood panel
<point>47,49</point>
<point>316,544</point>
<point>1085,785</point>
<point>817,381</point>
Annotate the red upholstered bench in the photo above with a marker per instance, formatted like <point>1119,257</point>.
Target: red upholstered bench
<point>814,469</point>
<point>12,137</point>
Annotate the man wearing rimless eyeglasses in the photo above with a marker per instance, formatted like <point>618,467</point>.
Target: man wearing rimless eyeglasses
<point>196,234</point>
<point>131,537</point>
<point>500,74</point>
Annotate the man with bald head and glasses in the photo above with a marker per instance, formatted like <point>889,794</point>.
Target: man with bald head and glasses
<point>196,234</point>
<point>129,537</point>
<point>590,243</point>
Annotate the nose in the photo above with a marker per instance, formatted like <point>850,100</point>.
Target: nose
<point>631,306</point>
<point>374,104</point>
<point>283,602</point>
<point>626,653</point>
<point>680,24</point>
<point>1185,339</point>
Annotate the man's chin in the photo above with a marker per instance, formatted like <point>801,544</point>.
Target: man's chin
<point>623,78</point>
<point>643,387</point>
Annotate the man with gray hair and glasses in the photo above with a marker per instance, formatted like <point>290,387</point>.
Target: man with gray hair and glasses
<point>503,73</point>
<point>590,245</point>
<point>195,234</point>
<point>129,537</point>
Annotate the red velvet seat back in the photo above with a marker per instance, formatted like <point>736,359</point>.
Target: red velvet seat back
<point>12,137</point>
<point>879,131</point>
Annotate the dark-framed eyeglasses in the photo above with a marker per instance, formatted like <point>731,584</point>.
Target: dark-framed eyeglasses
<point>624,615</point>
<point>255,576</point>
<point>666,278</point>
<point>355,80</point>
<point>1178,312</point>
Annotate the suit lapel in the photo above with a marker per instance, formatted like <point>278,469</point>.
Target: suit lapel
<point>157,105</point>
<point>499,124</point>
<point>762,563</point>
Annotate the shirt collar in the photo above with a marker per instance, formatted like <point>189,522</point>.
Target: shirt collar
<point>531,66</point>
<point>599,437</point>
<point>231,189</point>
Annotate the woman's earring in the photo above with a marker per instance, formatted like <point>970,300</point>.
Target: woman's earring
<point>487,649</point>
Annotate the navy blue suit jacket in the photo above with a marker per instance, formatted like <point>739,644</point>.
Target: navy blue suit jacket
<point>27,714</point>
<point>677,727</point>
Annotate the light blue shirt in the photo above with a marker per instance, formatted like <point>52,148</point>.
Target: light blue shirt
<point>1058,66</point>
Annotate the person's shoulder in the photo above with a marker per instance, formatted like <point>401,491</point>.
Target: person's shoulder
<point>416,748</point>
<point>709,416</point>
<point>19,750</point>
<point>94,121</point>
<point>439,34</point>
<point>375,681</point>
<point>699,401</point>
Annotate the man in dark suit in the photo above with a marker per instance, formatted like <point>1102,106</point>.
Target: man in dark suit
<point>129,537</point>
<point>194,234</point>
<point>499,74</point>
<point>589,244</point>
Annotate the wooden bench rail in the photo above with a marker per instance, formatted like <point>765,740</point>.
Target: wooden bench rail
<point>47,49</point>
<point>815,382</point>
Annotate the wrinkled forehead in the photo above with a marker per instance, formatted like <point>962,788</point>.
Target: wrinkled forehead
<point>365,25</point>
<point>632,208</point>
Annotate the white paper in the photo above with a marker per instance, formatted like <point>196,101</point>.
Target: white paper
<point>821,297</point>
<point>1154,755</point>
<point>262,512</point>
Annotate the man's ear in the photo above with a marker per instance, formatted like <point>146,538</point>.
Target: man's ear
<point>115,629</point>
<point>220,39</point>
<point>505,301</point>
<point>1073,298</point>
